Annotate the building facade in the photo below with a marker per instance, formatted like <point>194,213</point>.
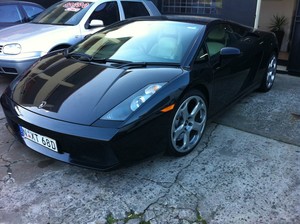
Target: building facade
<point>241,11</point>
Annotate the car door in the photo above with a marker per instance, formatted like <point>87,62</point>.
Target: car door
<point>251,46</point>
<point>108,12</point>
<point>229,73</point>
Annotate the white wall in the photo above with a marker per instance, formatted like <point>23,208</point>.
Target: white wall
<point>277,7</point>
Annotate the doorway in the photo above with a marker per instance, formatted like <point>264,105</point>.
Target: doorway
<point>270,12</point>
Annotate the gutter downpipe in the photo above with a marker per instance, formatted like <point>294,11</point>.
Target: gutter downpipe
<point>257,14</point>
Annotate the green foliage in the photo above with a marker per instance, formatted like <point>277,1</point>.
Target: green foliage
<point>110,219</point>
<point>132,215</point>
<point>200,219</point>
<point>278,23</point>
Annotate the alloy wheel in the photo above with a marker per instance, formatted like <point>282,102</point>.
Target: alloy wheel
<point>271,72</point>
<point>188,124</point>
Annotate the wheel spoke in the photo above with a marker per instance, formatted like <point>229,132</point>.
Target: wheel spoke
<point>186,140</point>
<point>198,126</point>
<point>179,130</point>
<point>196,109</point>
<point>184,111</point>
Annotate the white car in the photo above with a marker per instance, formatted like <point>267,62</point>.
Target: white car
<point>61,26</point>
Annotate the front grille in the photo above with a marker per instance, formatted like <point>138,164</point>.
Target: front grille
<point>1,48</point>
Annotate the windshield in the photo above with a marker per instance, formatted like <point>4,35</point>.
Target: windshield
<point>141,41</point>
<point>64,13</point>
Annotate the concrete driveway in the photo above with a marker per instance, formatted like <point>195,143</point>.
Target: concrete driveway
<point>245,170</point>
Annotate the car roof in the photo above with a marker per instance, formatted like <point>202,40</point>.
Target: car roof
<point>18,2</point>
<point>193,19</point>
<point>106,0</point>
<point>181,18</point>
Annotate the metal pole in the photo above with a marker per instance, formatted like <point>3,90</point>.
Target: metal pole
<point>257,14</point>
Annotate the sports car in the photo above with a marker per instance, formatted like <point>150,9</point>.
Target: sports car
<point>138,87</point>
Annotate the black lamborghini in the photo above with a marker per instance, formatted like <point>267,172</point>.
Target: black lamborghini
<point>137,87</point>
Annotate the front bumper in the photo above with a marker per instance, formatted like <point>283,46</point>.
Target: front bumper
<point>15,67</point>
<point>87,146</point>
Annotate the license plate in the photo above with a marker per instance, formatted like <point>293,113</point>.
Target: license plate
<point>39,139</point>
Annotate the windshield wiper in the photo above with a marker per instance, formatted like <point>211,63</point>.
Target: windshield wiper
<point>105,60</point>
<point>79,56</point>
<point>120,63</point>
<point>145,64</point>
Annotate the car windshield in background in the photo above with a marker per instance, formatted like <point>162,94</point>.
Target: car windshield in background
<point>64,13</point>
<point>140,41</point>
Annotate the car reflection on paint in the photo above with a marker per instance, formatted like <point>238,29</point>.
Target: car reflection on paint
<point>136,88</point>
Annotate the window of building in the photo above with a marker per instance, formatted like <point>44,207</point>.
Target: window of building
<point>195,7</point>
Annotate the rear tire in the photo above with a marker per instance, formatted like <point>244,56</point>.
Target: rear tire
<point>187,124</point>
<point>270,74</point>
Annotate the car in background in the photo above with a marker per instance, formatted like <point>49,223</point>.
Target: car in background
<point>140,86</point>
<point>17,12</point>
<point>62,25</point>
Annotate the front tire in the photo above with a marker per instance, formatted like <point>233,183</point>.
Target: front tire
<point>188,123</point>
<point>270,74</point>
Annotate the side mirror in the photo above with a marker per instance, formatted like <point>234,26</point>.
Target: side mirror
<point>229,52</point>
<point>96,23</point>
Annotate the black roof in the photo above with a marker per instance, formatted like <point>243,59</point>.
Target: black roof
<point>192,18</point>
<point>182,18</point>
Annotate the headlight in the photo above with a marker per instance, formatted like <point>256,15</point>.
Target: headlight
<point>132,103</point>
<point>12,49</point>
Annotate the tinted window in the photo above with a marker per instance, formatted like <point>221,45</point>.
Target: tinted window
<point>32,11</point>
<point>221,36</point>
<point>239,31</point>
<point>10,14</point>
<point>134,9</point>
<point>107,12</point>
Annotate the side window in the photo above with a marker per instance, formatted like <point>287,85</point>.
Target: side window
<point>134,9</point>
<point>216,39</point>
<point>235,35</point>
<point>202,55</point>
<point>32,11</point>
<point>108,12</point>
<point>239,31</point>
<point>10,14</point>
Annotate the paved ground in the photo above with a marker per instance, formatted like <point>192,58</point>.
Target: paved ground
<point>245,170</point>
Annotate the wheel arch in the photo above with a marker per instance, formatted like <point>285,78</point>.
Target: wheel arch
<point>204,90</point>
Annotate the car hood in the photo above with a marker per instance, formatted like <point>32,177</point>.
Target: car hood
<point>26,31</point>
<point>81,92</point>
<point>33,36</point>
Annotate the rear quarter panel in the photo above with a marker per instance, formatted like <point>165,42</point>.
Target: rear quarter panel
<point>269,46</point>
